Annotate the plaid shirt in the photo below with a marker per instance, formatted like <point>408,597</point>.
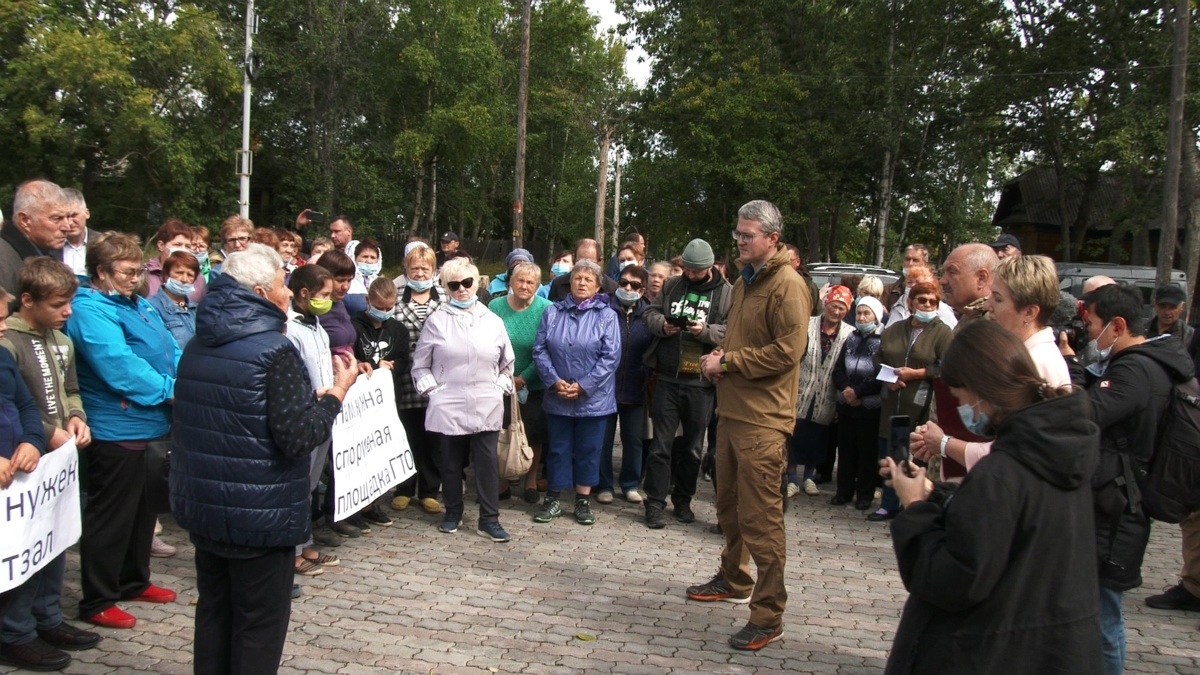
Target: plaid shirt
<point>407,314</point>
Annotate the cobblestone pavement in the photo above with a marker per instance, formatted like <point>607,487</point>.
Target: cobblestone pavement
<point>562,598</point>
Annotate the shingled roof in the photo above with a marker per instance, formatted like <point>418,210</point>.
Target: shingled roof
<point>1031,199</point>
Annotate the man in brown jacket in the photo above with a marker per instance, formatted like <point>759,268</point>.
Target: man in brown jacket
<point>757,371</point>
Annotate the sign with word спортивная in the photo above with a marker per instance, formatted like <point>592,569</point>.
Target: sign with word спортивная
<point>370,448</point>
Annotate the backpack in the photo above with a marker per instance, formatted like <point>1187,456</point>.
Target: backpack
<point>1170,485</point>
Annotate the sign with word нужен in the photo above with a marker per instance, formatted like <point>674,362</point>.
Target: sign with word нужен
<point>39,516</point>
<point>370,448</point>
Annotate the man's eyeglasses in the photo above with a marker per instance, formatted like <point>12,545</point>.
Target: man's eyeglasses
<point>465,283</point>
<point>630,284</point>
<point>746,237</point>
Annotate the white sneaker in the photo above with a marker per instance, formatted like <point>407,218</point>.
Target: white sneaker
<point>792,490</point>
<point>633,497</point>
<point>810,488</point>
<point>604,497</point>
<point>161,549</point>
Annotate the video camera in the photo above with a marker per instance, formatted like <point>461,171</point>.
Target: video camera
<point>1068,318</point>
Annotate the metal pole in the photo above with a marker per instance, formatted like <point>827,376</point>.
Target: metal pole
<point>244,157</point>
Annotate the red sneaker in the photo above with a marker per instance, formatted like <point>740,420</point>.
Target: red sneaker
<point>156,594</point>
<point>113,617</point>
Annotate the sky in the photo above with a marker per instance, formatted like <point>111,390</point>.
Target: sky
<point>638,72</point>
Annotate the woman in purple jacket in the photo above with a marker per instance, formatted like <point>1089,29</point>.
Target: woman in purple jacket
<point>577,351</point>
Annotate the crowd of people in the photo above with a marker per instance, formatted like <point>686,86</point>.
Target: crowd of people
<point>1012,513</point>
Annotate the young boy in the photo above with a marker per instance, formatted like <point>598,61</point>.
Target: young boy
<point>34,633</point>
<point>381,341</point>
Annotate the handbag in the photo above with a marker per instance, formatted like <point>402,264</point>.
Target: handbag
<point>513,453</point>
<point>158,469</point>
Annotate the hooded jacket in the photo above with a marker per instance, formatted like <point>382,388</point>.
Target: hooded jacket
<point>1128,403</point>
<point>635,340</point>
<point>47,363</point>
<point>19,421</point>
<point>126,361</point>
<point>580,345</point>
<point>1000,570</point>
<point>708,302</point>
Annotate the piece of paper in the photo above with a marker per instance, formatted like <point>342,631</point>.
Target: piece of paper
<point>887,374</point>
<point>39,516</point>
<point>370,447</point>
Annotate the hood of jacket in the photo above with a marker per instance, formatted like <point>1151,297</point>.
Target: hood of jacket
<point>18,325</point>
<point>598,301</point>
<point>230,312</point>
<point>780,260</point>
<point>1055,439</point>
<point>1167,353</point>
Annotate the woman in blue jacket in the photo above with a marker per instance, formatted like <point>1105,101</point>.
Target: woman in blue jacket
<point>577,350</point>
<point>127,361</point>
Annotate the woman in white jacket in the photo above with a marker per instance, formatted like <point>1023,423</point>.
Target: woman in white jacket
<point>463,362</point>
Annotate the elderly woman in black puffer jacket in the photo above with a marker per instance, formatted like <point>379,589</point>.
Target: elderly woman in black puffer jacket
<point>858,406</point>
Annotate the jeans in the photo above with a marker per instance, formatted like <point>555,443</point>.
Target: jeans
<point>890,501</point>
<point>632,419</point>
<point>35,604</point>
<point>1112,631</point>
<point>573,455</point>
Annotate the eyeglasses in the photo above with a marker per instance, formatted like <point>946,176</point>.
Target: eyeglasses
<point>465,283</point>
<point>631,284</point>
<point>746,237</point>
<point>237,240</point>
<point>925,300</point>
<point>129,274</point>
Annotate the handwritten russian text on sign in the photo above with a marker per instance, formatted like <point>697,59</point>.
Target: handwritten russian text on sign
<point>370,448</point>
<point>39,516</point>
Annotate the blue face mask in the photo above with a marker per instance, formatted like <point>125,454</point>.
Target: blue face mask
<point>975,421</point>
<point>420,285</point>
<point>380,315</point>
<point>559,269</point>
<point>627,297</point>
<point>178,287</point>
<point>925,316</point>
<point>202,256</point>
<point>463,304</point>
<point>369,269</point>
<point>865,328</point>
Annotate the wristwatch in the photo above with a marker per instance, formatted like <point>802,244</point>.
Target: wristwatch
<point>724,365</point>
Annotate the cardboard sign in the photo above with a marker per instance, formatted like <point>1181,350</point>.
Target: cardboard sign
<point>370,449</point>
<point>39,516</point>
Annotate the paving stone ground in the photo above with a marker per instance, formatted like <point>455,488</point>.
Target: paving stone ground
<point>562,598</point>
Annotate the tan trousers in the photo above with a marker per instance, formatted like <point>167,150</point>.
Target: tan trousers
<point>1190,577</point>
<point>750,460</point>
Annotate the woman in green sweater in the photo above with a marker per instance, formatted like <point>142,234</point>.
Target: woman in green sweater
<point>521,311</point>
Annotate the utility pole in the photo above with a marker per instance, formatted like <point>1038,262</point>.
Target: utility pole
<point>245,157</point>
<point>518,235</point>
<point>1168,235</point>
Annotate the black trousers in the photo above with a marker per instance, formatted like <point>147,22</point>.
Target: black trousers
<point>118,526</point>
<point>668,464</point>
<point>242,613</point>
<point>481,449</point>
<point>425,448</point>
<point>858,457</point>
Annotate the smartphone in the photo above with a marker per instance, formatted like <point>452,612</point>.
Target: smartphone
<point>680,321</point>
<point>316,217</point>
<point>900,426</point>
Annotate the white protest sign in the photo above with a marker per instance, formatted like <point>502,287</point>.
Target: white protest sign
<point>370,448</point>
<point>39,516</point>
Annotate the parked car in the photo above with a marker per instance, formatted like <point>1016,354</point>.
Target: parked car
<point>832,272</point>
<point>1071,276</point>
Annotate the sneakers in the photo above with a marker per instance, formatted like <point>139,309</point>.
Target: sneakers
<point>431,505</point>
<point>494,532</point>
<point>66,636</point>
<point>793,490</point>
<point>450,524</point>
<point>1176,597</point>
<point>550,510</point>
<point>753,638</point>
<point>655,518</point>
<point>325,538</point>
<point>344,529</point>
<point>716,589</point>
<point>604,497</point>
<point>156,594</point>
<point>161,549</point>
<point>401,502</point>
<point>113,617</point>
<point>295,591</point>
<point>376,516</point>
<point>810,488</point>
<point>34,655</point>
<point>882,514</point>
<point>683,513</point>
<point>583,511</point>
<point>361,523</point>
<point>633,496</point>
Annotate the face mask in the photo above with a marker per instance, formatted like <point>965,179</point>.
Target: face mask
<point>1101,354</point>
<point>178,287</point>
<point>463,304</point>
<point>380,314</point>
<point>627,263</point>
<point>627,297</point>
<point>924,316</point>
<point>559,269</point>
<point>369,269</point>
<point>319,306</point>
<point>202,257</point>
<point>976,422</point>
<point>865,328</point>
<point>176,250</point>
<point>523,395</point>
<point>420,286</point>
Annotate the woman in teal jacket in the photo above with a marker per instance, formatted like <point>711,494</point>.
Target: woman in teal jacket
<point>127,360</point>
